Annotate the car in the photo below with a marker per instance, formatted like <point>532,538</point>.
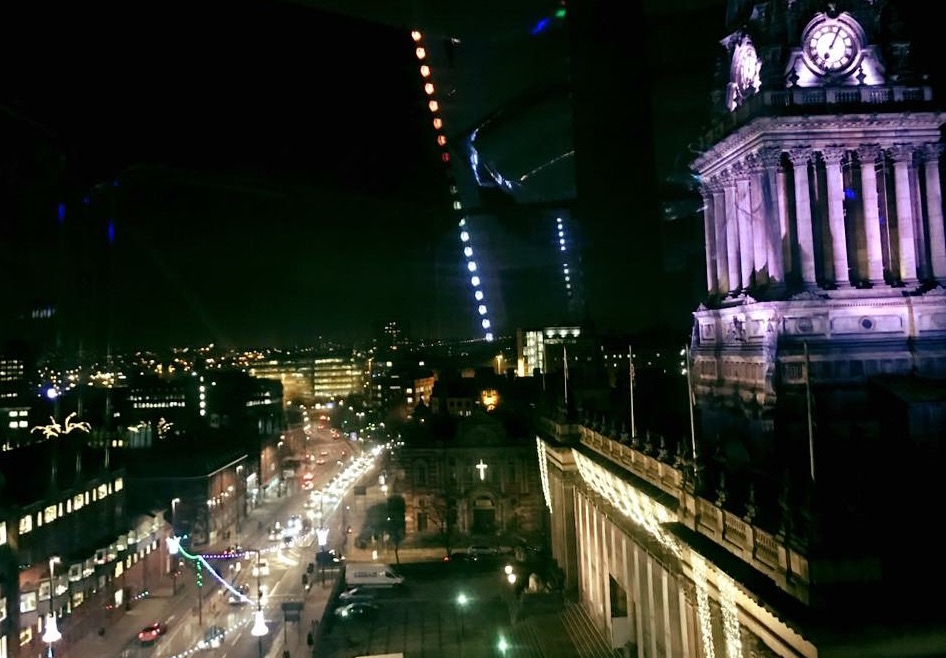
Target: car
<point>357,594</point>
<point>357,610</point>
<point>239,597</point>
<point>260,568</point>
<point>213,638</point>
<point>149,634</point>
<point>481,549</point>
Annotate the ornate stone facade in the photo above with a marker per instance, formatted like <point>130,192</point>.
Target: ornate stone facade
<point>483,484</point>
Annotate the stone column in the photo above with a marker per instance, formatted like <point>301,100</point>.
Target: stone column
<point>709,235</point>
<point>744,217</point>
<point>902,156</point>
<point>806,241</point>
<point>758,210</point>
<point>934,210</point>
<point>774,221</point>
<point>732,236</point>
<point>833,155</point>
<point>867,154</point>
<point>722,250</point>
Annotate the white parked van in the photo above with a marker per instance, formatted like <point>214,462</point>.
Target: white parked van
<point>371,575</point>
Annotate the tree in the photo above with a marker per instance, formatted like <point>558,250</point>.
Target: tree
<point>397,511</point>
<point>441,509</point>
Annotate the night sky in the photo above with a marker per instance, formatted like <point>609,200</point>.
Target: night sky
<point>276,177</point>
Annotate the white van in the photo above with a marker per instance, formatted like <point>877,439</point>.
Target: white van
<point>371,575</point>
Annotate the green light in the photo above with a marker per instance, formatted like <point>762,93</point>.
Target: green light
<point>560,13</point>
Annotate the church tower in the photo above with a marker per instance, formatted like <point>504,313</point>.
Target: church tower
<point>825,243</point>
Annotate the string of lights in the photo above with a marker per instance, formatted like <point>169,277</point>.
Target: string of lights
<point>466,239</point>
<point>650,515</point>
<point>562,247</point>
<point>544,473</point>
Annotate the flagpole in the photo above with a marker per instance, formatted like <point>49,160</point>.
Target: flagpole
<point>690,400</point>
<point>630,379</point>
<point>565,362</point>
<point>811,424</point>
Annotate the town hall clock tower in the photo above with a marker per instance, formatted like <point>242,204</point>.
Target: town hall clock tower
<point>824,233</point>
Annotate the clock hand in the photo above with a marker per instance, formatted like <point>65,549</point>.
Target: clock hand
<point>834,40</point>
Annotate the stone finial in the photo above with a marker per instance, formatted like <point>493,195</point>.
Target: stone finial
<point>752,510</point>
<point>680,458</point>
<point>636,442</point>
<point>785,505</point>
<point>721,494</point>
<point>662,452</point>
<point>623,434</point>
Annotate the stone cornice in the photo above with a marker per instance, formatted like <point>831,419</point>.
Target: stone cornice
<point>817,132</point>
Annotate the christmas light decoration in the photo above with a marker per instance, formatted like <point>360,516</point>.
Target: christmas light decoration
<point>544,473</point>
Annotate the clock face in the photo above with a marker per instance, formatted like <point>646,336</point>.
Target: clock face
<point>831,46</point>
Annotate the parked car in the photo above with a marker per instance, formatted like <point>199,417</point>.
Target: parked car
<point>357,594</point>
<point>357,610</point>
<point>149,634</point>
<point>260,568</point>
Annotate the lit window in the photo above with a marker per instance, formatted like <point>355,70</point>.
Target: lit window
<point>425,70</point>
<point>119,484</point>
<point>421,53</point>
<point>78,501</point>
<point>102,491</point>
<point>3,533</point>
<point>49,514</point>
<point>429,88</point>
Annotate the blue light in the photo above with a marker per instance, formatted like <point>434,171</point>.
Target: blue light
<point>61,212</point>
<point>115,183</point>
<point>850,194</point>
<point>111,231</point>
<point>540,26</point>
<point>85,200</point>
<point>52,393</point>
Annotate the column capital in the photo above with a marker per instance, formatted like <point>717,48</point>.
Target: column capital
<point>901,152</point>
<point>932,152</point>
<point>833,155</point>
<point>799,155</point>
<point>868,153</point>
<point>739,169</point>
<point>770,156</point>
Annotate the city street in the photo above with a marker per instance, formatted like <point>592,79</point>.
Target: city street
<point>189,622</point>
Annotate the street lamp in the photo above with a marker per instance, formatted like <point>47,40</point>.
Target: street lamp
<point>51,633</point>
<point>259,622</point>
<point>503,645</point>
<point>174,503</point>
<point>461,604</point>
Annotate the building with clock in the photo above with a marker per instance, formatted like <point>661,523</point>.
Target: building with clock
<point>825,244</point>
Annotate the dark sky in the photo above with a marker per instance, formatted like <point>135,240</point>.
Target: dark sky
<point>277,177</point>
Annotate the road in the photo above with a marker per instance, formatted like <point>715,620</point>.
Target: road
<point>187,622</point>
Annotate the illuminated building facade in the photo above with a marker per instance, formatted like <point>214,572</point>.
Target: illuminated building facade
<point>756,535</point>
<point>336,378</point>
<point>68,512</point>
<point>482,484</point>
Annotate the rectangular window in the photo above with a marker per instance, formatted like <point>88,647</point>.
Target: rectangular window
<point>119,484</point>
<point>3,533</point>
<point>421,522</point>
<point>102,491</point>
<point>78,501</point>
<point>27,601</point>
<point>49,514</point>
